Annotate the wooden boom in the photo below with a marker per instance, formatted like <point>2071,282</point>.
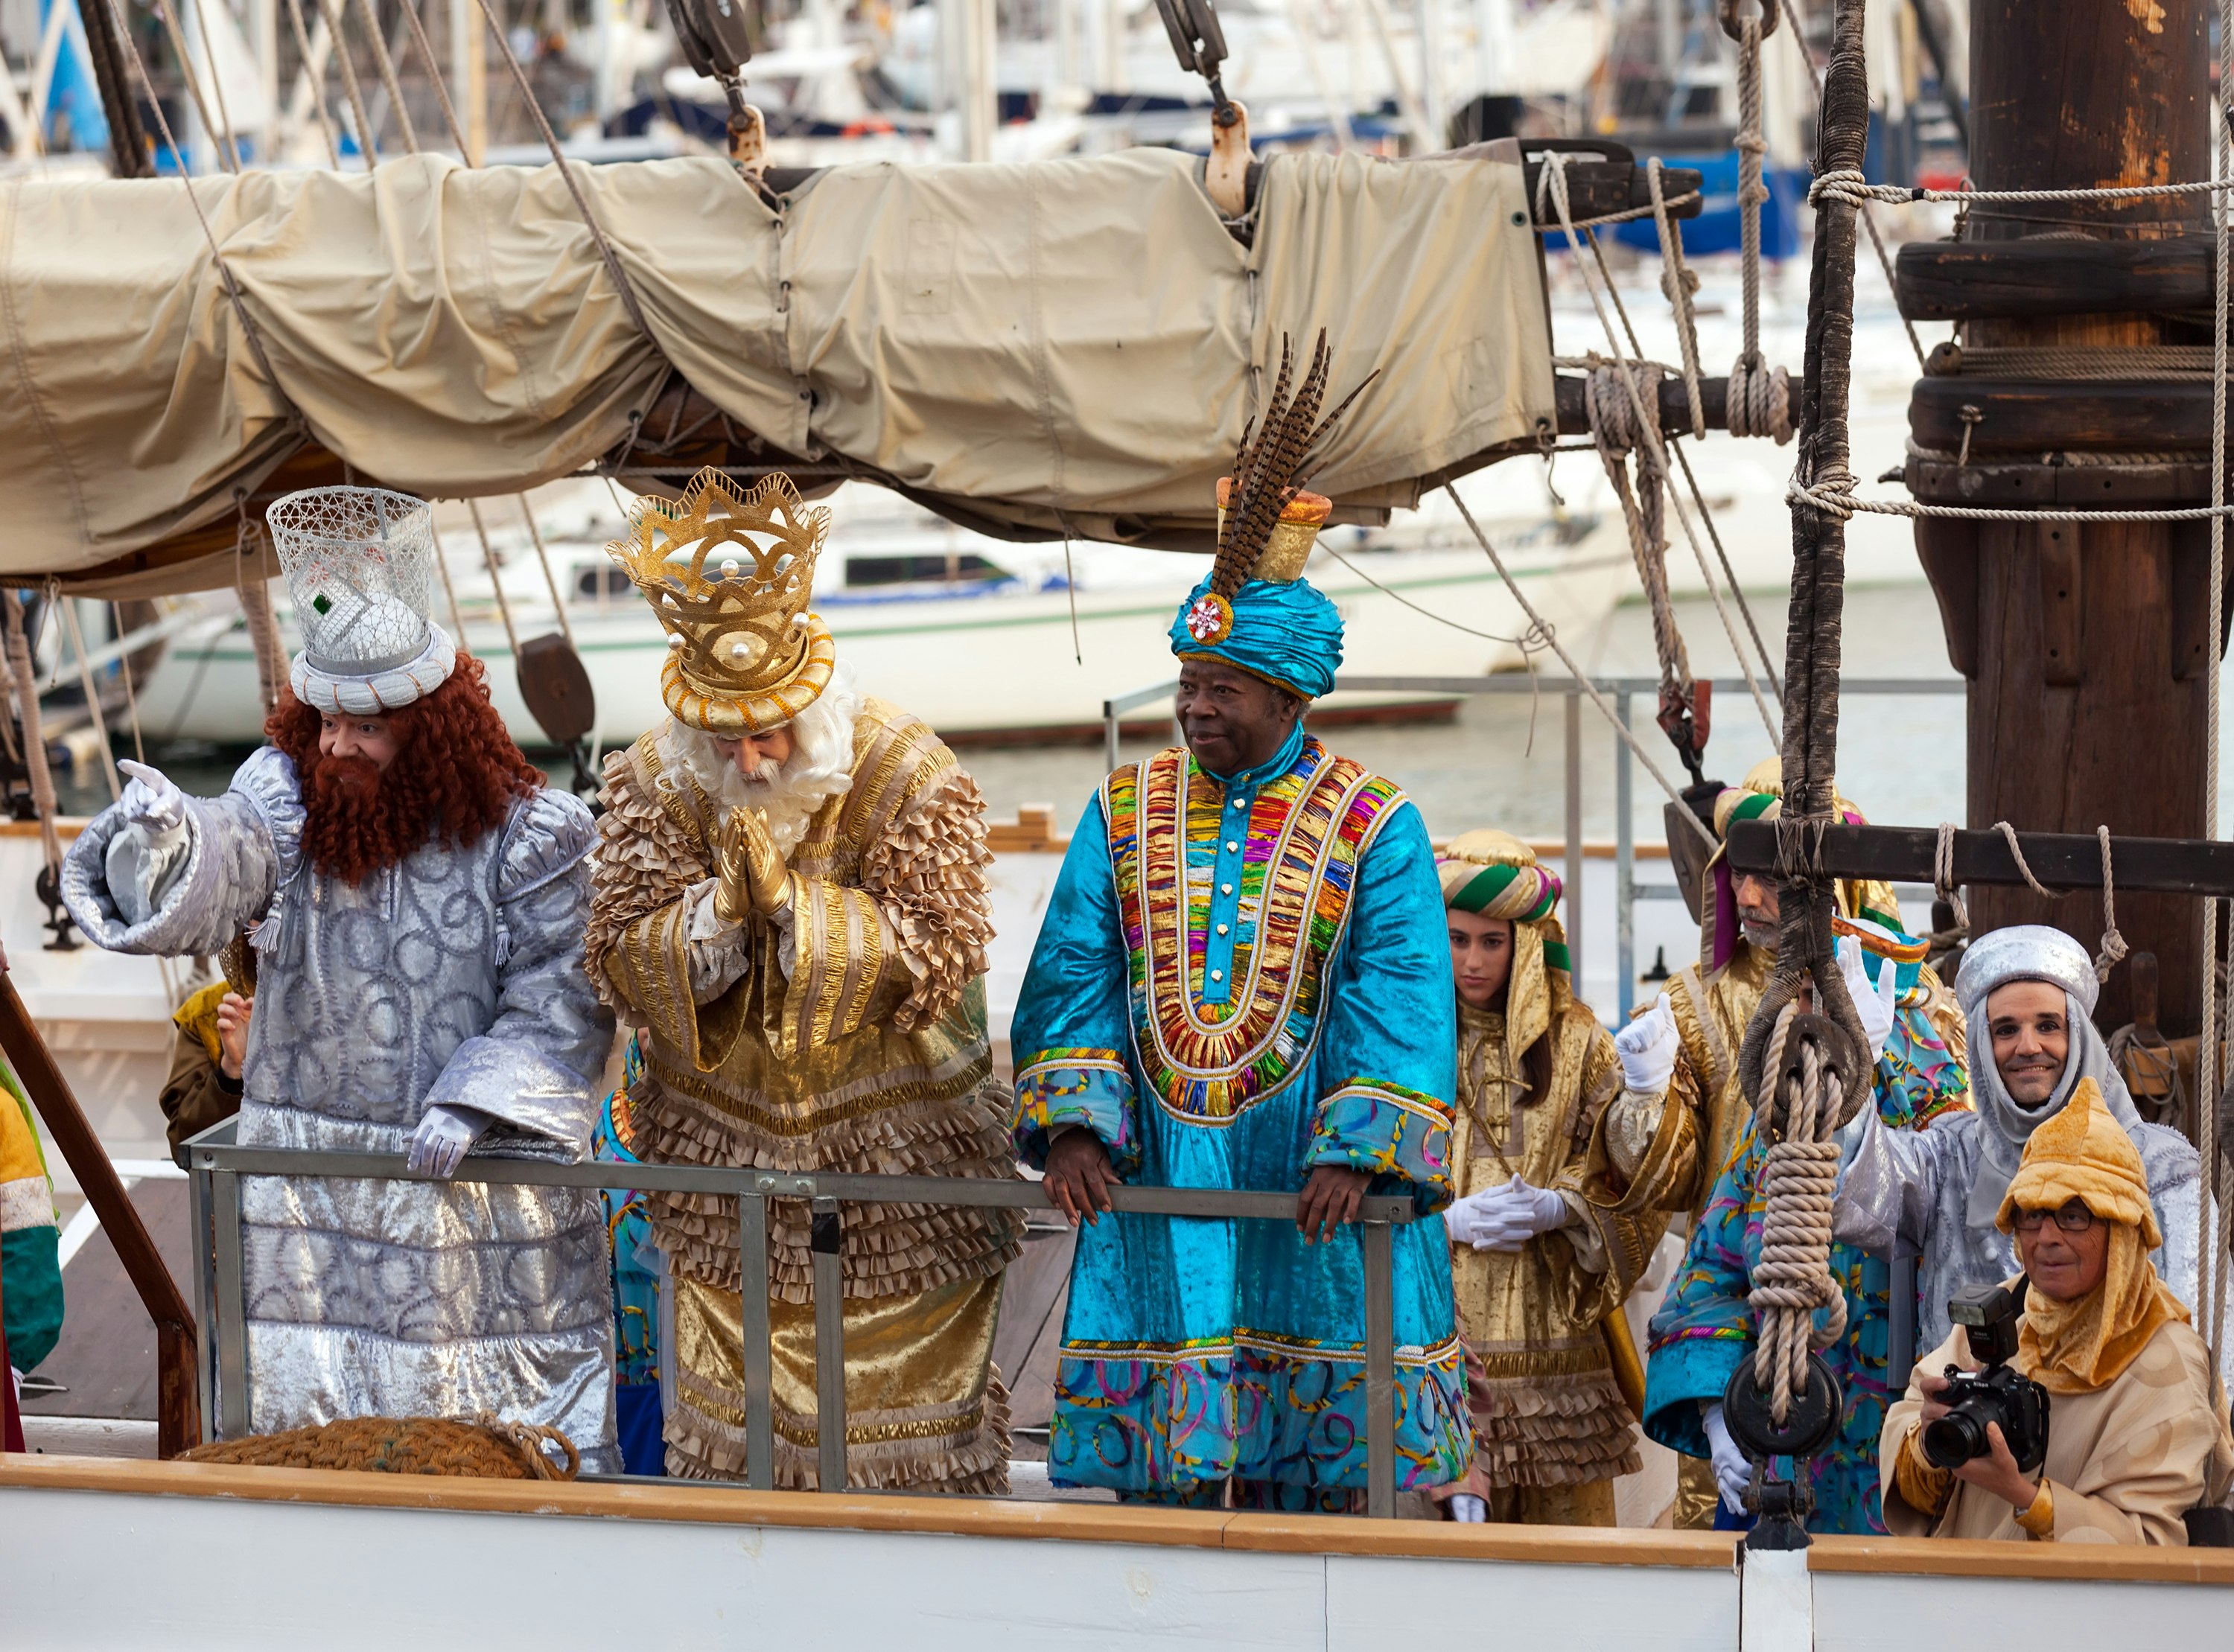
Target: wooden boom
<point>2061,861</point>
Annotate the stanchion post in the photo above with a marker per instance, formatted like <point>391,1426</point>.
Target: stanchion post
<point>232,1306</point>
<point>828,1245</point>
<point>1624,870</point>
<point>753,1320</point>
<point>1900,1324</point>
<point>199,1211</point>
<point>1575,836</point>
<point>1378,1244</point>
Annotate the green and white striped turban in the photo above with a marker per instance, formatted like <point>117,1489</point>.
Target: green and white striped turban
<point>1493,874</point>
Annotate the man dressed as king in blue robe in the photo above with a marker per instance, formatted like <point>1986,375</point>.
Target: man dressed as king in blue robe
<point>1243,983</point>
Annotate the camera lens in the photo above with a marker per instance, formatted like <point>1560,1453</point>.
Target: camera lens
<point>1954,1440</point>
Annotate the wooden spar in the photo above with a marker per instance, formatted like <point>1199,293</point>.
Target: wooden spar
<point>1813,635</point>
<point>1959,280</point>
<point>2061,861</point>
<point>2081,640</point>
<point>127,140</point>
<point>2026,416</point>
<point>177,1424</point>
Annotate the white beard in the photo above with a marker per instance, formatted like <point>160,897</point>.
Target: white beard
<point>819,767</point>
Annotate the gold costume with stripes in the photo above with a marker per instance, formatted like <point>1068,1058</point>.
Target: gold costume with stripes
<point>852,1041</point>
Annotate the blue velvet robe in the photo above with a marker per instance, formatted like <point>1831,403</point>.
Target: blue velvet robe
<point>1214,1038</point>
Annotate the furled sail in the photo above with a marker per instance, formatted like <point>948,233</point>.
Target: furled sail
<point>1063,346</point>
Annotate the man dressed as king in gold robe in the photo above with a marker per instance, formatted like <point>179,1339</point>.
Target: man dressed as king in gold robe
<point>791,907</point>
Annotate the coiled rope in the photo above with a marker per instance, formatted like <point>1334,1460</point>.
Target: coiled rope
<point>1799,1182</point>
<point>1616,402</point>
<point>488,1448</point>
<point>1759,403</point>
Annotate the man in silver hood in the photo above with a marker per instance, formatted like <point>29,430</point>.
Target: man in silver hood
<point>2027,993</point>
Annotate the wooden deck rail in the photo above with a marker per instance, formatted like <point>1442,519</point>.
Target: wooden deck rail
<point>178,1417</point>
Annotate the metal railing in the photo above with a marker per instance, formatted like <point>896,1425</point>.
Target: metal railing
<point>1622,691</point>
<point>216,1163</point>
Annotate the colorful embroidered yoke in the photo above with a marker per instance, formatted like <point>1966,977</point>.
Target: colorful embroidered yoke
<point>1704,1329</point>
<point>1238,980</point>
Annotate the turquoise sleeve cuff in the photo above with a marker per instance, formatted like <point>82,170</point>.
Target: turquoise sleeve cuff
<point>1390,1132</point>
<point>1680,1374</point>
<point>1093,1087</point>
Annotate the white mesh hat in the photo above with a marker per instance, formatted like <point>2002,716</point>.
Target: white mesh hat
<point>360,566</point>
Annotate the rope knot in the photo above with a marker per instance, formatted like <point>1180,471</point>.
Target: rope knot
<point>1942,879</point>
<point>1832,494</point>
<point>2113,945</point>
<point>1849,186</point>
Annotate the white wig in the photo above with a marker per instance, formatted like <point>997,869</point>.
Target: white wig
<point>819,767</point>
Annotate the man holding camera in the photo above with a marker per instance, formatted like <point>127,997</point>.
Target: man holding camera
<point>2077,1402</point>
<point>2027,992</point>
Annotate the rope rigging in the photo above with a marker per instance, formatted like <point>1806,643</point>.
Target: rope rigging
<point>1793,1096</point>
<point>1808,1073</point>
<point>1625,423</point>
<point>1760,396</point>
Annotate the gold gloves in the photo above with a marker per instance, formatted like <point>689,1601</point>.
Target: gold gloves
<point>751,868</point>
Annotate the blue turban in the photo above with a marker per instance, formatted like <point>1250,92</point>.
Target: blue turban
<point>1286,631</point>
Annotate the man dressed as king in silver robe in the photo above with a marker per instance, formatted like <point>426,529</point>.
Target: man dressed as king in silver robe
<point>417,897</point>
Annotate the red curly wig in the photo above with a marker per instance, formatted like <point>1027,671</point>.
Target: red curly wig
<point>454,779</point>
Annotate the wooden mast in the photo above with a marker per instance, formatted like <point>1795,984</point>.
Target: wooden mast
<point>2083,642</point>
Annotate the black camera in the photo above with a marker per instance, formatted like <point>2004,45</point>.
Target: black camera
<point>1997,1394</point>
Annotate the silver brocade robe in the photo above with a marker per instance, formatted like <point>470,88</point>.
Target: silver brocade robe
<point>454,978</point>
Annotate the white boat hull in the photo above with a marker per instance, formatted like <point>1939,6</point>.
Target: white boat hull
<point>1000,660</point>
<point>186,1556</point>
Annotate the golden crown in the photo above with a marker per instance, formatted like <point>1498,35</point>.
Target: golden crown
<point>744,652</point>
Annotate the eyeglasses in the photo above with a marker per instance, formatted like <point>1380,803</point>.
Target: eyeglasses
<point>2073,1217</point>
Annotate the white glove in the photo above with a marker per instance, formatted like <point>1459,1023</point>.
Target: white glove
<point>1505,1218</point>
<point>1468,1510</point>
<point>1647,1046</point>
<point>444,1135</point>
<point>1732,1471</point>
<point>150,847</point>
<point>1875,1004</point>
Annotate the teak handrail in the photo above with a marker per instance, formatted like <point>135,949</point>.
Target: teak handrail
<point>178,1417</point>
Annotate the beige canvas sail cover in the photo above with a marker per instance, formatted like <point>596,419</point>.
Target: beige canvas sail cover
<point>1063,343</point>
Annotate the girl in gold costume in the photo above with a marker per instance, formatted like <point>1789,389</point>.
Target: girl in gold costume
<point>1540,1265</point>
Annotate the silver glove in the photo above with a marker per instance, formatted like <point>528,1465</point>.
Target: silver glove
<point>444,1136</point>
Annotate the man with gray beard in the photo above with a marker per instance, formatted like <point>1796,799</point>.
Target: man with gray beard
<point>790,906</point>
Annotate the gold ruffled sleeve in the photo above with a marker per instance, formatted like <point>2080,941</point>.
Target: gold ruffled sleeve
<point>1624,1232</point>
<point>897,948</point>
<point>1922,1486</point>
<point>652,856</point>
<point>928,873</point>
<point>1665,1170</point>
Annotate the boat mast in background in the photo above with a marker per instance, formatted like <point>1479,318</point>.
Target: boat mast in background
<point>2084,644</point>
